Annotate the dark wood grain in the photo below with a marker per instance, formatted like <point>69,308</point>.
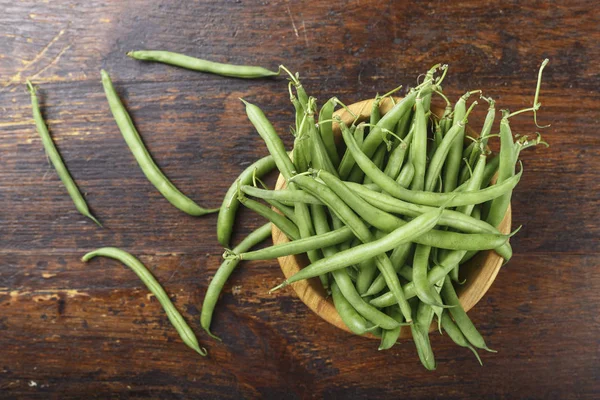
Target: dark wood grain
<point>74,330</point>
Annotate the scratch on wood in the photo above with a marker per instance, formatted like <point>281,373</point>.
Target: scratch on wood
<point>17,77</point>
<point>292,19</point>
<point>54,61</point>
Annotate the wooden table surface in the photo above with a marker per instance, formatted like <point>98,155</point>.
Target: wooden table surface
<point>75,330</point>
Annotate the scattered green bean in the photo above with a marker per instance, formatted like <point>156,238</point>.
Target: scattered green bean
<point>55,158</point>
<point>186,333</point>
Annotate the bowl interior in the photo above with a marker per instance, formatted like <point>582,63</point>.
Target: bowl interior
<point>478,273</point>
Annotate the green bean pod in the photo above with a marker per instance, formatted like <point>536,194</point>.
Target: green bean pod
<point>406,175</point>
<point>271,139</point>
<point>418,148</point>
<point>230,205</point>
<point>285,196</point>
<point>197,64</point>
<point>360,305</point>
<point>456,335</point>
<point>390,337</point>
<point>224,272</point>
<point>506,170</point>
<point>186,333</point>
<point>56,160</point>
<point>452,164</point>
<point>460,317</point>
<point>397,156</point>
<point>326,131</point>
<point>300,246</point>
<point>143,157</point>
<point>353,320</point>
<point>280,221</point>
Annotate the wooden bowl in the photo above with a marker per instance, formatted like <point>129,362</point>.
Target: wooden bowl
<point>479,272</point>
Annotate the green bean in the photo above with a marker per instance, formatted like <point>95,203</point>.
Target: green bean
<point>452,164</point>
<point>389,337</point>
<point>231,204</point>
<point>418,148</point>
<point>438,137</point>
<point>302,145</point>
<point>456,335</point>
<point>353,320</point>
<point>420,334</point>
<point>360,305</point>
<point>287,211</point>
<point>375,115</point>
<point>368,250</point>
<point>271,139</point>
<point>405,125</point>
<point>326,131</point>
<point>460,317</point>
<point>366,273</point>
<point>422,286</point>
<point>490,170</point>
<point>224,272</point>
<point>421,197</point>
<point>377,159</point>
<point>143,157</point>
<point>197,64</point>
<point>55,158</point>
<point>347,162</point>
<point>283,223</point>
<point>186,333</point>
<point>506,170</point>
<point>440,155</point>
<point>320,157</point>
<point>394,165</point>
<point>406,175</point>
<point>285,196</point>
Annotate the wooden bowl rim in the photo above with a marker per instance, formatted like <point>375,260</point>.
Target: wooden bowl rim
<point>482,269</point>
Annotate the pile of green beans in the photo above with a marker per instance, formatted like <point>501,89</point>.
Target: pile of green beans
<point>386,218</point>
<point>388,221</point>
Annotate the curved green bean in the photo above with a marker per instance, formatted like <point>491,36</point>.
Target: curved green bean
<point>143,157</point>
<point>224,272</point>
<point>197,64</point>
<point>360,305</point>
<point>228,209</point>
<point>456,335</point>
<point>271,139</point>
<point>186,333</point>
<point>353,320</point>
<point>326,131</point>
<point>460,317</point>
<point>280,221</point>
<point>418,148</point>
<point>55,158</point>
<point>285,196</point>
<point>389,337</point>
